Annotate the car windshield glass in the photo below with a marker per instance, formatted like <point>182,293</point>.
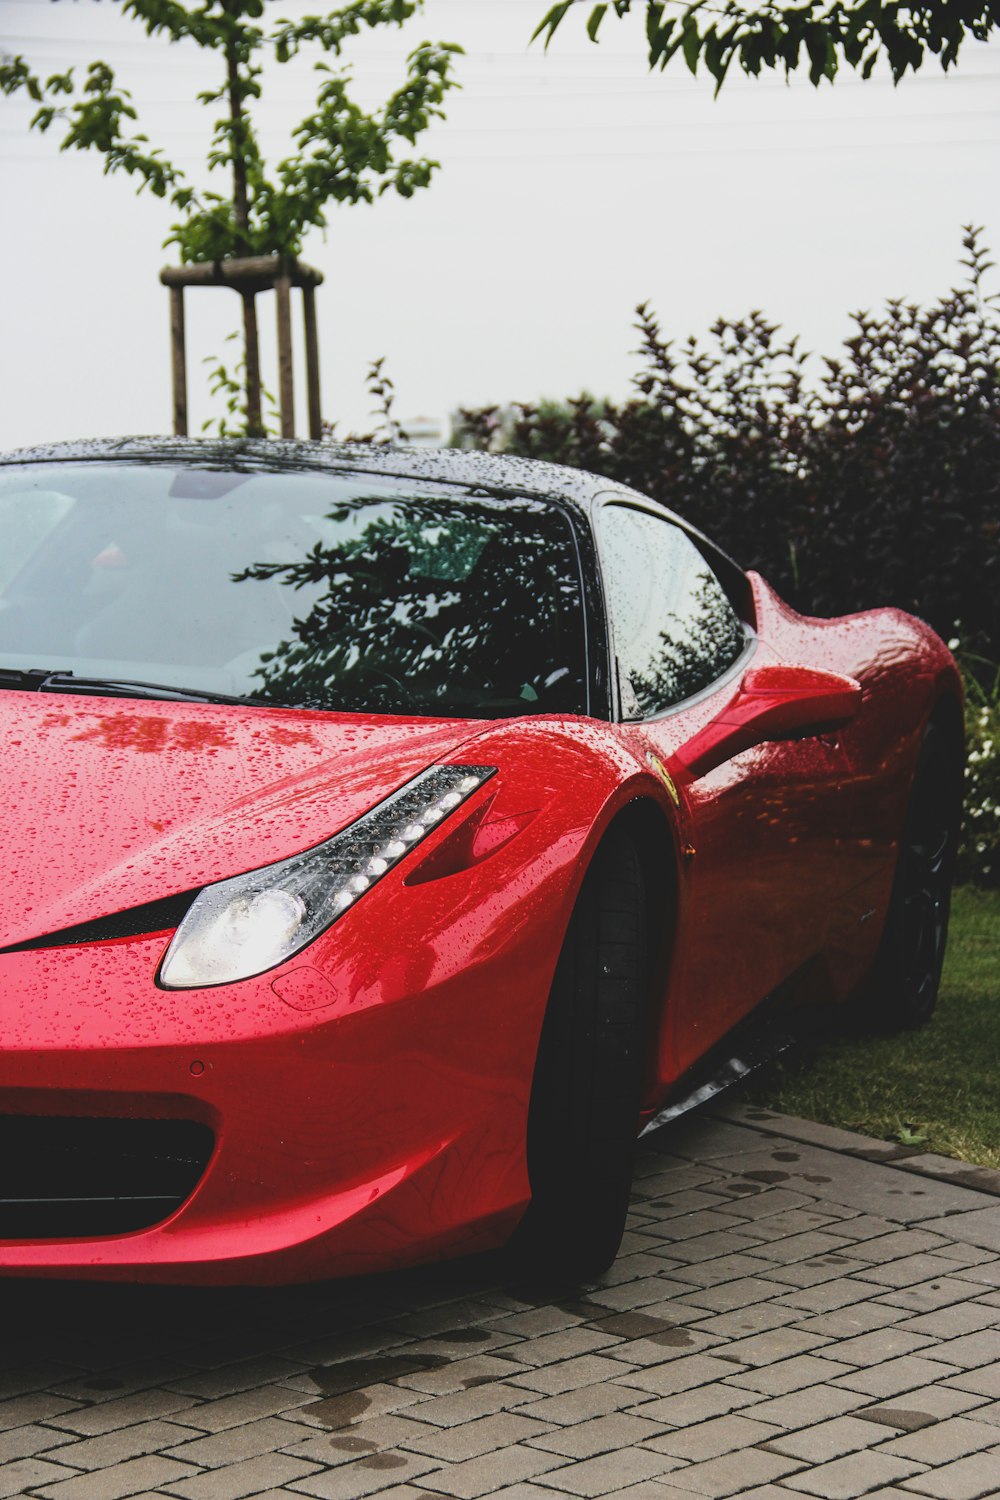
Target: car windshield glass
<point>341,592</point>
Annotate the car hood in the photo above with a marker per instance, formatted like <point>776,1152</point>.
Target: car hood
<point>110,803</point>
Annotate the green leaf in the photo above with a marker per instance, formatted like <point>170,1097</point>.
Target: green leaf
<point>594,21</point>
<point>690,42</point>
<point>550,21</point>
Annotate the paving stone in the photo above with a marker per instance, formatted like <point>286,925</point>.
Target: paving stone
<point>697,1405</point>
<point>974,1478</point>
<point>639,1293</point>
<point>804,1246</point>
<point>734,1473</point>
<point>566,1343</point>
<point>793,1221</point>
<point>898,1244</point>
<point>722,1242</point>
<point>36,1406</point>
<point>851,1322</point>
<point>965,1255</point>
<point>114,1483</point>
<point>725,1268</point>
<point>127,1442</point>
<point>582,1404</point>
<point>241,1376</point>
<point>334,1411</point>
<point>814,1272</point>
<point>813,1404</point>
<point>477,1476</point>
<point>985,1274</point>
<point>22,1474</point>
<point>628,1268</point>
<point>971,1351</point>
<point>984,1381</point>
<point>896,1375</point>
<point>717,1436</point>
<point>856,1474</point>
<point>456,1407</point>
<point>233,1444</point>
<point>31,1440</point>
<point>879,1345</point>
<point>980,1227</point>
<point>705,1138</point>
<point>571,1373</point>
<point>953,1322</point>
<point>757,1318</point>
<point>142,1406</point>
<point>791,1375</point>
<point>456,1444</point>
<point>775,1344</point>
<point>907,1271</point>
<point>984,1411</point>
<point>742,1292</point>
<point>536,1321</point>
<point>679,1374</point>
<point>704,1221</point>
<point>672,1205</point>
<point>631,1326</point>
<point>890,1492</point>
<point>673,1344</point>
<point>827,1296</point>
<point>926,1404</point>
<point>347,1444</point>
<point>98,1386</point>
<point>927,1296</point>
<point>609,1473</point>
<point>829,1440</point>
<point>765,1201</point>
<point>588,1439</point>
<point>364,1476</point>
<point>945,1440</point>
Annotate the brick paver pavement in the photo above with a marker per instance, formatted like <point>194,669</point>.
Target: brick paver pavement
<point>793,1314</point>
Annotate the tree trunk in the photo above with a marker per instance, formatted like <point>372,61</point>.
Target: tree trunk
<point>241,209</point>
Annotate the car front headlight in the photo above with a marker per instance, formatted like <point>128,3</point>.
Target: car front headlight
<point>249,924</point>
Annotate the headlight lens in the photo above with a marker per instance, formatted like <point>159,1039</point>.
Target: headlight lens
<point>253,922</point>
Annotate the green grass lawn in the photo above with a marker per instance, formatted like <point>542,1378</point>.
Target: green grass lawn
<point>938,1088</point>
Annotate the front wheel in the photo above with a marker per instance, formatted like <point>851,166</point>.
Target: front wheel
<point>584,1111</point>
<point>903,985</point>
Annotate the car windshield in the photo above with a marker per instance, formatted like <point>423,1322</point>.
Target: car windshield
<point>326,591</point>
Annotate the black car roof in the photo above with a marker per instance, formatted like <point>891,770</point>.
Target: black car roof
<point>494,471</point>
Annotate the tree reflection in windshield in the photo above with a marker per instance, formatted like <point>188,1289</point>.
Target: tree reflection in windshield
<point>430,607</point>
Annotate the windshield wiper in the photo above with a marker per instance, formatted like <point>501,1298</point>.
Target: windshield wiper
<point>39,680</point>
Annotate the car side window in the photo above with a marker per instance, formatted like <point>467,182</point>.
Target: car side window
<point>675,631</point>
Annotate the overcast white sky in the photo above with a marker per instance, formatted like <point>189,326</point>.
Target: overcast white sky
<point>573,186</point>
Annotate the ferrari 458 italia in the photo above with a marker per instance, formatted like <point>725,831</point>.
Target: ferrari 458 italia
<point>391,835</point>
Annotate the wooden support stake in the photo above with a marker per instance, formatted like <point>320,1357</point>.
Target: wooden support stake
<point>286,387</point>
<point>312,363</point>
<point>179,360</point>
<point>255,426</point>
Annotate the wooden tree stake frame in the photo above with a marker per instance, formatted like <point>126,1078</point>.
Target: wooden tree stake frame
<point>248,276</point>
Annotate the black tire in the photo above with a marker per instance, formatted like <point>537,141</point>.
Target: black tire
<point>584,1111</point>
<point>902,987</point>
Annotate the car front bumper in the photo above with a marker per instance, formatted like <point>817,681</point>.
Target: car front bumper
<point>373,1117</point>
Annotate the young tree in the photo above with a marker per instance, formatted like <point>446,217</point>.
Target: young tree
<point>343,154</point>
<point>819,34</point>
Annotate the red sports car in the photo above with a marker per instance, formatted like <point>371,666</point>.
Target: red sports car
<point>391,835</point>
